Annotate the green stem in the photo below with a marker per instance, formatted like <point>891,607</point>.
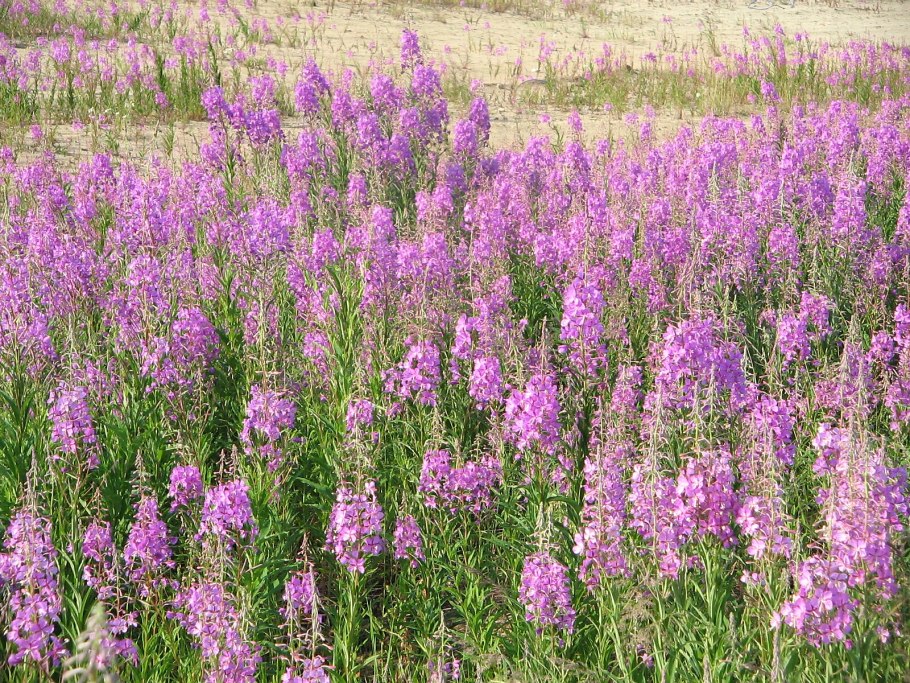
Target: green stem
<point>348,629</point>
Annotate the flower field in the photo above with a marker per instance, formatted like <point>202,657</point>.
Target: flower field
<point>335,385</point>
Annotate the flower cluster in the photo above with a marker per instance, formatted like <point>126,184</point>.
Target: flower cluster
<point>72,423</point>
<point>355,527</point>
<point>469,487</point>
<point>863,507</point>
<point>440,672</point>
<point>227,515</point>
<point>176,360</point>
<point>599,538</point>
<point>532,415</point>
<point>29,570</point>
<point>762,520</point>
<point>417,376</point>
<point>101,573</point>
<point>822,609</point>
<point>705,487</point>
<point>655,509</point>
<point>310,670</point>
<point>185,486</point>
<point>795,332</point>
<point>98,549</point>
<point>360,414</point>
<point>771,425</point>
<point>408,541</point>
<point>693,360</point>
<point>210,616</point>
<point>581,328</point>
<point>267,416</point>
<point>545,593</point>
<point>147,552</point>
<point>301,598</point>
<point>485,385</point>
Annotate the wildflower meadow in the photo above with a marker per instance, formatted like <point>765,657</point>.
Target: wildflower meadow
<point>336,385</point>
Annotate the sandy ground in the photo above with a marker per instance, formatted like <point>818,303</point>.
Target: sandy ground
<point>487,44</point>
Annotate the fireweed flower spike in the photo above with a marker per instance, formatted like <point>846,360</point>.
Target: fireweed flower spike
<point>185,486</point>
<point>470,487</point>
<point>268,416</point>
<point>148,553</point>
<point>102,573</point>
<point>599,540</point>
<point>303,621</point>
<point>417,376</point>
<point>227,515</point>
<point>28,570</point>
<point>408,541</point>
<point>581,330</point>
<point>312,670</point>
<point>72,423</point>
<point>545,593</point>
<point>210,616</point>
<point>532,415</point>
<point>355,527</point>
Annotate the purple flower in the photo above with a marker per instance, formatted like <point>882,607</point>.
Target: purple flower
<point>310,670</point>
<point>185,486</point>
<point>655,508</point>
<point>599,538</point>
<point>301,598</point>
<point>210,616</point>
<point>693,360</point>
<point>769,92</point>
<point>410,49</point>
<point>863,507</point>
<point>485,385</point>
<point>72,423</point>
<point>546,593</point>
<point>469,487</point>
<point>792,338</point>
<point>408,541</point>
<point>440,672</point>
<point>771,423</point>
<point>480,116</point>
<point>417,376</point>
<point>310,88</point>
<point>355,527</point>
<point>227,515</point>
<point>98,549</point>
<point>574,121</point>
<point>464,139</point>
<point>822,609</point>
<point>386,97</point>
<point>267,416</point>
<point>101,573</point>
<point>426,84</point>
<point>624,402</point>
<point>214,103</point>
<point>29,571</point>
<point>147,552</point>
<point>581,328</point>
<point>761,518</point>
<point>194,340</point>
<point>360,414</point>
<point>532,415</point>
<point>706,494</point>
